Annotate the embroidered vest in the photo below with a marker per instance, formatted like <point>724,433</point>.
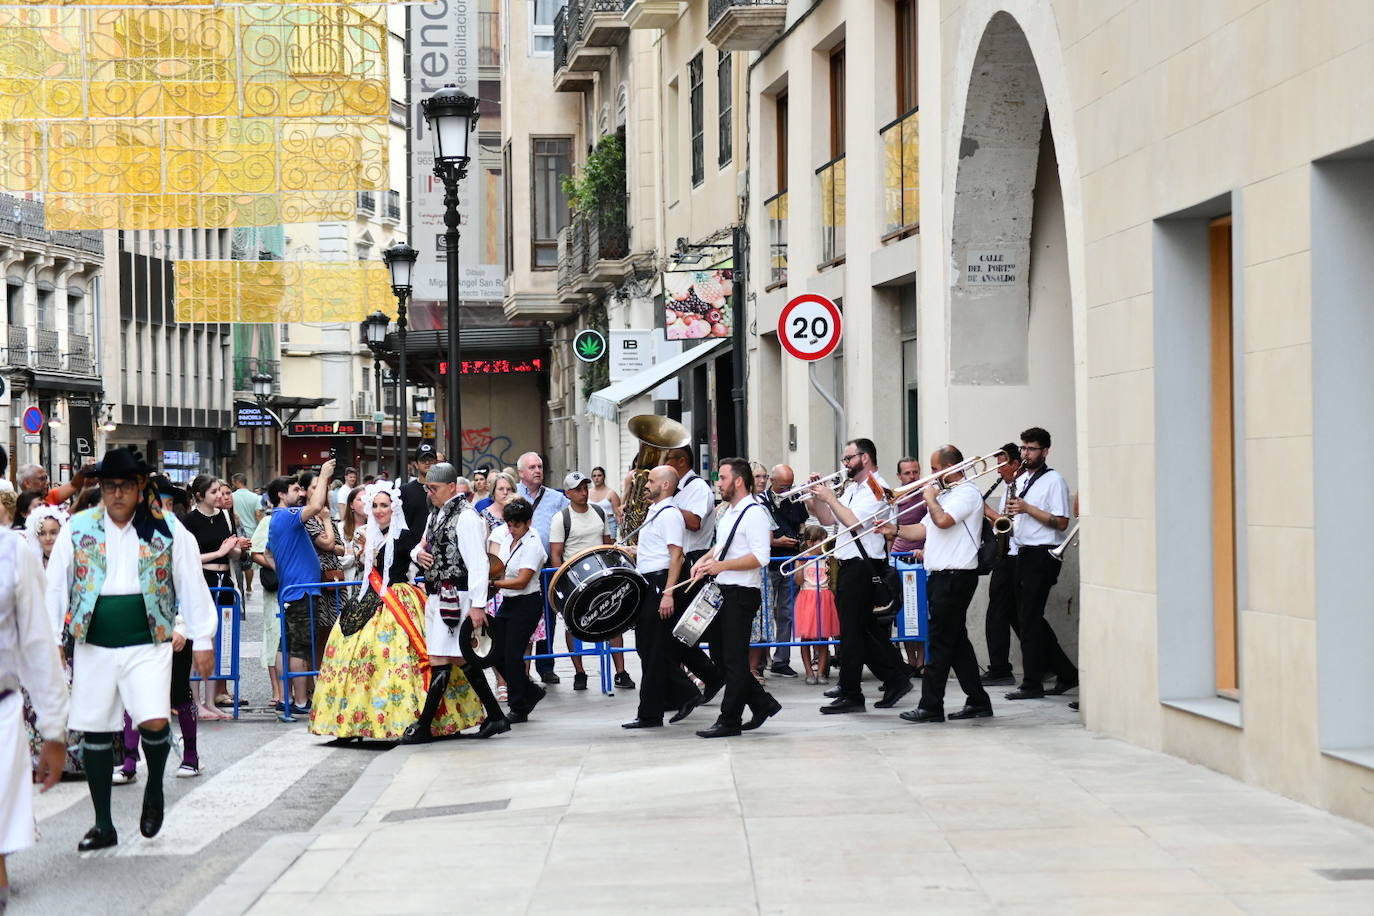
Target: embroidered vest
<point>87,531</point>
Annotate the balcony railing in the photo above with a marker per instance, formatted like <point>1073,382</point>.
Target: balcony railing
<point>489,38</point>
<point>560,39</point>
<point>17,352</point>
<point>776,209</point>
<point>24,219</point>
<point>901,175</point>
<point>46,355</point>
<point>585,242</point>
<point>79,354</point>
<point>367,202</point>
<point>245,367</point>
<point>832,193</point>
<point>744,25</point>
<point>393,206</point>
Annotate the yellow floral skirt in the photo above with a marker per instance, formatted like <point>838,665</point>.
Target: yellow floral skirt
<point>372,683</point>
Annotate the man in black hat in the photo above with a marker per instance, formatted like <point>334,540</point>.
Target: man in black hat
<point>414,499</point>
<point>124,570</point>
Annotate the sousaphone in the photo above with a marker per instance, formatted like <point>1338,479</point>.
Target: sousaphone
<point>657,436</point>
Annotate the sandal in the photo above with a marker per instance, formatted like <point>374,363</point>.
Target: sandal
<point>502,694</point>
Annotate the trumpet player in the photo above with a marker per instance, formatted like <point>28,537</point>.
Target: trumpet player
<point>1001,620</point>
<point>863,640</point>
<point>951,532</point>
<point>1039,514</point>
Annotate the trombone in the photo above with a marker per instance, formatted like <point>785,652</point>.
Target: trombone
<point>835,481</point>
<point>1058,552</point>
<point>971,468</point>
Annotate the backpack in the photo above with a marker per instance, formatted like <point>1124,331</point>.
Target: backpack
<point>567,519</point>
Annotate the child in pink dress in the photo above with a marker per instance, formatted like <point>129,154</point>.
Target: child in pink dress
<point>814,611</point>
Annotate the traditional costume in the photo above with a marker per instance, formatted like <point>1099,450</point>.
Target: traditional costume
<point>456,583</point>
<point>123,586</point>
<point>375,675</point>
<point>33,526</point>
<point>28,657</point>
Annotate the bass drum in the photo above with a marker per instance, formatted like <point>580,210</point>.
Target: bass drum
<point>598,592</point>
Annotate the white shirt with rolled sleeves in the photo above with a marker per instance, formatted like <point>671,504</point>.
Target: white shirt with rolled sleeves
<point>955,547</point>
<point>28,645</point>
<point>754,535</point>
<point>663,526</point>
<point>527,553</point>
<point>1051,493</point>
<point>194,605</point>
<point>694,495</point>
<point>863,502</point>
<point>472,546</point>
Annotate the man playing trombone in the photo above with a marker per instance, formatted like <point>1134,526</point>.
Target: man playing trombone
<point>863,640</point>
<point>951,531</point>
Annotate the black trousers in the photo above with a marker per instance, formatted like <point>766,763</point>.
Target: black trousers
<point>863,640</point>
<point>1001,620</point>
<point>545,665</point>
<point>662,683</point>
<point>1036,573</point>
<point>948,593</point>
<point>732,626</point>
<point>706,668</point>
<point>181,675</point>
<point>515,624</point>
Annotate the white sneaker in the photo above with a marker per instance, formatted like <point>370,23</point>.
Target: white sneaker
<point>186,771</point>
<point>122,778</point>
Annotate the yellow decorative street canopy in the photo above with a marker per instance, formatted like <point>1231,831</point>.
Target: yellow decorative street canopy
<point>255,292</point>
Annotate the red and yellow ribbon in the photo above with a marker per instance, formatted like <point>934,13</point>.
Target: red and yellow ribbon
<point>398,610</point>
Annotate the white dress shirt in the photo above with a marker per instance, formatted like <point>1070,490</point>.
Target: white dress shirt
<point>527,553</point>
<point>662,527</point>
<point>194,604</point>
<point>694,495</point>
<point>1051,493</point>
<point>863,502</point>
<point>472,547</point>
<point>754,535</point>
<point>955,547</point>
<point>28,651</point>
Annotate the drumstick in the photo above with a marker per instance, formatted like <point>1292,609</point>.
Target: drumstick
<point>682,583</point>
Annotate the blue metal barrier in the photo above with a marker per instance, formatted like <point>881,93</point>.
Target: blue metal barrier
<point>227,635</point>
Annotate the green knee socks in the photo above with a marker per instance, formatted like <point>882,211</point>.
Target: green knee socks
<point>156,746</point>
<point>97,752</point>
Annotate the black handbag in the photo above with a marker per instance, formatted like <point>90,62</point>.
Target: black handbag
<point>887,586</point>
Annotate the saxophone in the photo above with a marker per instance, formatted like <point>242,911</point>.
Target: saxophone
<point>657,436</point>
<point>1001,528</point>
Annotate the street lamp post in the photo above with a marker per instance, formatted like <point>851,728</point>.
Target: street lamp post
<point>452,117</point>
<point>262,390</point>
<point>400,258</point>
<point>374,334</point>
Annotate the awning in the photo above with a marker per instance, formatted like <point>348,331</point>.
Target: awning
<point>606,402</point>
<point>72,384</point>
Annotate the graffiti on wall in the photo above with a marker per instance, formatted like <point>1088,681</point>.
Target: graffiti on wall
<point>482,449</point>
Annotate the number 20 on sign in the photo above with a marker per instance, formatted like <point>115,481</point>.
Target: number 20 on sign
<point>809,327</point>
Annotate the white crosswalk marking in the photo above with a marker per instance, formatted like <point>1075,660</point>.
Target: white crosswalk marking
<point>230,797</point>
<point>57,799</point>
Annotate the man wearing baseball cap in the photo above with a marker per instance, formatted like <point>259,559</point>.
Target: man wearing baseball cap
<point>414,499</point>
<point>581,525</point>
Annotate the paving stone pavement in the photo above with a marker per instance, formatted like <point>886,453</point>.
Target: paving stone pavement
<point>1027,812</point>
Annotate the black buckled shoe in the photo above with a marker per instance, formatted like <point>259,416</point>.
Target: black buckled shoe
<point>973,712</point>
<point>150,822</point>
<point>719,731</point>
<point>892,694</point>
<point>921,716</point>
<point>844,704</point>
<point>96,838</point>
<point>762,715</point>
<point>687,708</point>
<point>414,734</point>
<point>492,727</point>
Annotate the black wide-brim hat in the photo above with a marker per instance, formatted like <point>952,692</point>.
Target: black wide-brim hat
<point>124,463</point>
<point>165,487</point>
<point>479,646</point>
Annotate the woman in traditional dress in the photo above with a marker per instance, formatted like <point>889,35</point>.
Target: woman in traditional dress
<point>375,673</point>
<point>41,528</point>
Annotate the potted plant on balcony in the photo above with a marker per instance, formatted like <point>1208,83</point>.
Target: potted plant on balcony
<point>597,191</point>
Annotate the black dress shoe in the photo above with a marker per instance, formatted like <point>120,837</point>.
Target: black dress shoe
<point>709,691</point>
<point>642,723</point>
<point>516,718</point>
<point>415,735</point>
<point>719,731</point>
<point>832,693</point>
<point>1026,693</point>
<point>493,727</point>
<point>920,715</point>
<point>1062,686</point>
<point>151,820</point>
<point>1073,705</point>
<point>96,838</point>
<point>687,708</point>
<point>973,712</point>
<point>761,715</point>
<point>533,695</point>
<point>844,704</point>
<point>892,695</point>
<point>987,677</point>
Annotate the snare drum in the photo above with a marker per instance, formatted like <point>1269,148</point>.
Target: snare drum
<point>699,614</point>
<point>598,592</point>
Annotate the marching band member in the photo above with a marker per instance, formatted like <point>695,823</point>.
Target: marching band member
<point>951,531</point>
<point>1039,515</point>
<point>737,565</point>
<point>454,558</point>
<point>125,570</point>
<point>1001,620</point>
<point>863,640</point>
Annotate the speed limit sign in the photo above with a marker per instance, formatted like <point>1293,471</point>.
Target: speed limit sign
<point>809,327</point>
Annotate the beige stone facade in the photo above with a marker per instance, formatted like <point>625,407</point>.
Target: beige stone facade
<point>1123,137</point>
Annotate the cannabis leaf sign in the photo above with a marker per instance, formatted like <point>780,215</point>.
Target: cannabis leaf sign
<point>589,346</point>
